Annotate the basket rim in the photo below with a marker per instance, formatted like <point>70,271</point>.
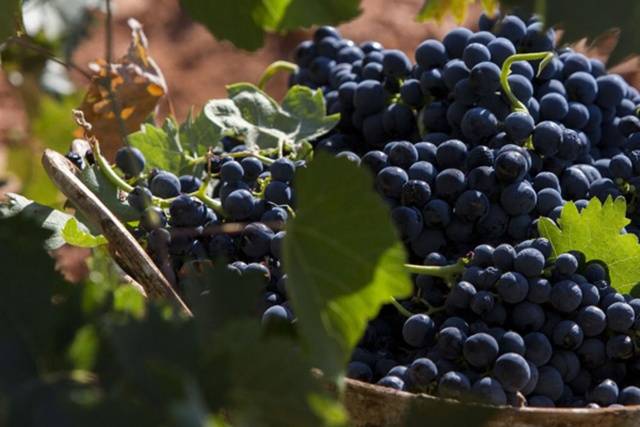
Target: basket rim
<point>356,386</point>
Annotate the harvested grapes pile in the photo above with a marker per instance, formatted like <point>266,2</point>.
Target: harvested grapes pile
<point>487,139</point>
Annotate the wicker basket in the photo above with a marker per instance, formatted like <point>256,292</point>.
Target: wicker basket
<point>368,405</point>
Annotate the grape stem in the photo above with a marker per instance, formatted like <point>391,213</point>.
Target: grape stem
<point>120,183</point>
<point>273,69</point>
<point>516,104</point>
<point>446,272</point>
<point>400,308</point>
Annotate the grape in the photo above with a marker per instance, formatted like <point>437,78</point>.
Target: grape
<point>521,87</point>
<point>395,63</point>
<point>282,170</point>
<point>231,172</point>
<point>130,161</point>
<point>278,192</point>
<point>475,53</point>
<point>140,198</point>
<point>553,106</point>
<point>629,395</point>
<point>374,160</point>
<point>454,42</point>
<point>549,384</point>
<point>478,124</point>
<point>510,166</point>
<point>418,330</point>
<point>611,89</point>
<point>411,93</point>
<point>480,350</point>
<point>451,154</point>
<point>187,212</point>
<point>566,264</point>
<point>518,126</point>
<point>437,213</point>
<point>415,193</point>
<point>432,53</point>
<point>402,154</point>
<point>391,382</point>
<point>488,391</point>
<point>239,204</point>
<point>256,240</point>
<point>189,184</point>
<point>390,181</point>
<point>484,78</point>
<point>581,87</point>
<point>408,221</point>
<point>512,342</point>
<point>471,205</point>
<point>275,314</point>
<point>424,171</point>
<point>605,393</point>
<point>566,296</point>
<point>512,28</point>
<point>359,371</point>
<point>482,37</point>
<point>512,371</point>
<point>512,287</point>
<point>529,262</point>
<point>620,316</point>
<point>482,303</point>
<point>620,347</point>
<point>538,348</point>
<point>577,116</point>
<point>422,372</point>
<point>500,49</point>
<point>252,168</point>
<point>453,72</point>
<point>461,294</point>
<point>165,185</point>
<point>547,136</point>
<point>518,198</point>
<point>449,183</point>
<point>567,364</point>
<point>568,335</point>
<point>369,97</point>
<point>453,385</point>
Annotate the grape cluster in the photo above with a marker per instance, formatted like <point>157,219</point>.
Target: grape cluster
<point>457,161</point>
<point>512,327</point>
<point>256,197</point>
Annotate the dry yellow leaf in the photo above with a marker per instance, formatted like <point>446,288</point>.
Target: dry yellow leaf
<point>123,94</point>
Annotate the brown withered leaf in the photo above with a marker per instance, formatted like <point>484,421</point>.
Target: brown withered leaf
<point>121,95</point>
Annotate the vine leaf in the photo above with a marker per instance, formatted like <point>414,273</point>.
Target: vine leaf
<point>438,9</point>
<point>343,259</point>
<point>198,134</point>
<point>597,232</point>
<point>76,234</point>
<point>260,122</point>
<point>45,217</point>
<point>159,148</point>
<point>244,22</point>
<point>308,106</point>
<point>108,193</point>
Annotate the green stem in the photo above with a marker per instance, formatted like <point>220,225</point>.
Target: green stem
<point>516,104</point>
<point>108,172</point>
<point>113,177</point>
<point>274,68</point>
<point>400,308</point>
<point>446,272</point>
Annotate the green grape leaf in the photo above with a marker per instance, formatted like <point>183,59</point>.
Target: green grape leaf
<point>47,218</point>
<point>108,193</point>
<point>309,108</point>
<point>244,22</point>
<point>10,19</point>
<point>260,122</point>
<point>438,9</point>
<point>585,18</point>
<point>77,234</point>
<point>84,348</point>
<point>199,134</point>
<point>304,13</point>
<point>343,259</point>
<point>160,149</point>
<point>596,232</point>
<point>255,390</point>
